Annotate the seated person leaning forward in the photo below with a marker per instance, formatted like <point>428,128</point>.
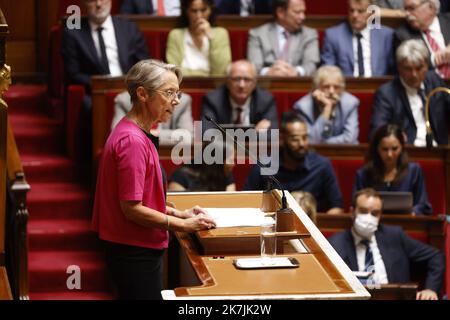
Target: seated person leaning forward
<point>240,101</point>
<point>198,47</point>
<point>386,250</point>
<point>387,168</point>
<point>330,112</point>
<point>301,169</point>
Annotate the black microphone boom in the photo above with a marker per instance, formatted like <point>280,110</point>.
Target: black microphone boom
<point>252,157</point>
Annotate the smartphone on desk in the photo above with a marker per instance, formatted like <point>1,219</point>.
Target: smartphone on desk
<point>258,263</point>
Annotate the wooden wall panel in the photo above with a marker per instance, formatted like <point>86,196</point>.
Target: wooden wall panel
<point>22,39</point>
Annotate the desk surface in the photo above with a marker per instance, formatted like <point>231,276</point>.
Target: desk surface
<point>322,273</point>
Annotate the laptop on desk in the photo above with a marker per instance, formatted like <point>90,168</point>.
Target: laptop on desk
<point>396,202</point>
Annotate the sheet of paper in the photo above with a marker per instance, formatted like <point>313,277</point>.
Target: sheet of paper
<point>239,217</point>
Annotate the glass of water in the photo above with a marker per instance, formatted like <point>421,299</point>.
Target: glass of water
<point>268,242</point>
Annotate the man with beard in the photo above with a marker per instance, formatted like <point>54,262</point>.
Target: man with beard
<point>330,112</point>
<point>103,45</point>
<point>386,251</point>
<point>301,169</point>
<point>424,22</point>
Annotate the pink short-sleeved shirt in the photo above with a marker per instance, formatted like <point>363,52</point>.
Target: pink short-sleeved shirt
<point>129,171</point>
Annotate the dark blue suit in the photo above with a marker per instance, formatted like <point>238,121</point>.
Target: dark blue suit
<point>413,182</point>
<point>398,250</point>
<point>216,104</point>
<point>136,7</point>
<point>81,60</point>
<point>234,7</point>
<point>405,32</point>
<point>338,49</point>
<point>391,105</point>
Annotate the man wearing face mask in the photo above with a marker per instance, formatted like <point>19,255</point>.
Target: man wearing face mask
<point>387,251</point>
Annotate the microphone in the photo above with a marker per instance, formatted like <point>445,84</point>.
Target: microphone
<point>252,157</point>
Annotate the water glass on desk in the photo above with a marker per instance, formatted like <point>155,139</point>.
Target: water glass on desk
<point>268,242</point>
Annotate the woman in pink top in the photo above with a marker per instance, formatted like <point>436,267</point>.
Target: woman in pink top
<point>130,212</point>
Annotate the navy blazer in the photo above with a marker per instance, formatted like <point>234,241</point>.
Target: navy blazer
<point>136,7</point>
<point>405,32</point>
<point>80,56</point>
<point>391,105</point>
<point>397,250</point>
<point>234,6</point>
<point>216,104</point>
<point>338,49</point>
<point>413,182</point>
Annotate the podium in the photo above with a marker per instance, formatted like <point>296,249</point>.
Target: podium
<point>205,263</point>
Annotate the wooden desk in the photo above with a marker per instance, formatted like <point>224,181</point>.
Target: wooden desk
<point>322,273</point>
<point>5,290</point>
<point>393,291</point>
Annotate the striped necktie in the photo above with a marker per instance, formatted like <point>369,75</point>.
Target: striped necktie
<point>444,69</point>
<point>368,261</point>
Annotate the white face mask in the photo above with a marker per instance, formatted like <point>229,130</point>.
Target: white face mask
<point>365,225</point>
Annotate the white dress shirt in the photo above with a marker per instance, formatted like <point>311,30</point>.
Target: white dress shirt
<point>281,42</point>
<point>436,34</point>
<point>171,7</point>
<point>365,43</point>
<point>112,51</point>
<point>245,116</point>
<point>380,275</point>
<point>417,109</point>
<point>194,58</point>
<point>246,6</point>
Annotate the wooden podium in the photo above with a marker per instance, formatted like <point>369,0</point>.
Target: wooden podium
<point>205,263</point>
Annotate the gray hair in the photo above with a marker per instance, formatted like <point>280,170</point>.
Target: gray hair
<point>148,74</point>
<point>412,51</point>
<point>323,72</point>
<point>436,4</point>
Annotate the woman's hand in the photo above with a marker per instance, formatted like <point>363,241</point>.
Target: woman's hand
<point>198,223</point>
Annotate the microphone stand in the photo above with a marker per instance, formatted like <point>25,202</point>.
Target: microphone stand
<point>285,215</point>
<point>429,135</point>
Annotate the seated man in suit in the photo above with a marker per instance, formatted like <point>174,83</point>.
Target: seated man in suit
<point>240,101</point>
<point>284,47</point>
<point>301,169</point>
<point>244,7</point>
<point>386,250</point>
<point>424,22</point>
<point>155,7</point>
<point>356,47</point>
<point>168,132</point>
<point>402,100</point>
<point>330,112</point>
<point>103,45</point>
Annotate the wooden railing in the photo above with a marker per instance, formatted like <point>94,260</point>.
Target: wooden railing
<point>5,291</point>
<point>13,189</point>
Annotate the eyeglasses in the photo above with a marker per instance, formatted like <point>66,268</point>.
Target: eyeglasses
<point>414,7</point>
<point>171,94</point>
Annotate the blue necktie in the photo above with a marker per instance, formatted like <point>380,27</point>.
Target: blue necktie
<point>368,261</point>
<point>360,55</point>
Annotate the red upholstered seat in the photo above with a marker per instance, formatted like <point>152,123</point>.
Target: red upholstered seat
<point>285,100</point>
<point>336,7</point>
<point>435,183</point>
<point>345,173</point>
<point>157,43</point>
<point>169,167</point>
<point>364,115</point>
